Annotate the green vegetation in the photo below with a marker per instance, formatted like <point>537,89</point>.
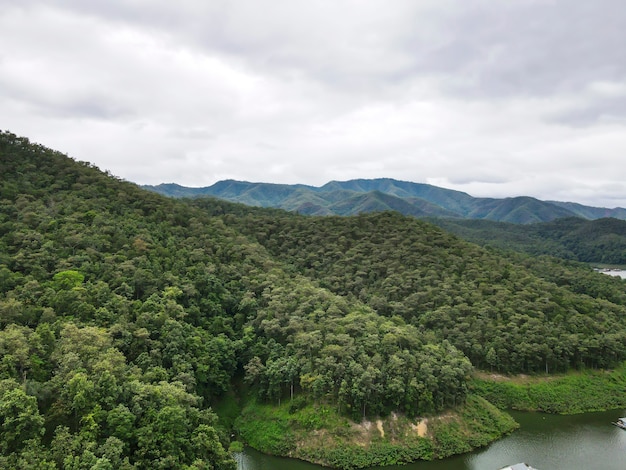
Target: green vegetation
<point>568,394</point>
<point>126,318</point>
<point>318,433</point>
<point>508,313</point>
<point>565,230</point>
<point>384,194</point>
<point>596,242</point>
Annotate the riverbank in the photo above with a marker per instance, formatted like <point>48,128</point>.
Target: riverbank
<point>576,392</point>
<point>316,433</point>
<point>545,441</point>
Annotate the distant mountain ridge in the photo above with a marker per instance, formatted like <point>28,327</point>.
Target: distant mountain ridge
<point>371,195</point>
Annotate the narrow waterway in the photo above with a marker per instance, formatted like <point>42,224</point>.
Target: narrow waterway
<point>616,272</point>
<point>547,442</point>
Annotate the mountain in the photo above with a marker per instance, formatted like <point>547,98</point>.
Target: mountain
<point>372,195</point>
<point>126,317</point>
<point>587,212</point>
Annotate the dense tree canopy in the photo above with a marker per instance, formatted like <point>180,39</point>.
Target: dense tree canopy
<point>124,315</point>
<point>601,241</point>
<point>508,313</point>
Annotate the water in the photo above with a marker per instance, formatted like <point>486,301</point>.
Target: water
<point>615,272</point>
<point>547,442</point>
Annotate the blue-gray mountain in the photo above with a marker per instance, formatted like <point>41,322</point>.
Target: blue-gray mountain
<point>372,195</point>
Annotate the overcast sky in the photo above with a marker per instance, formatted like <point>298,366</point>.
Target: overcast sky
<point>492,97</point>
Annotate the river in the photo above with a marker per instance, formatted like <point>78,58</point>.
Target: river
<point>547,442</point>
<point>616,272</point>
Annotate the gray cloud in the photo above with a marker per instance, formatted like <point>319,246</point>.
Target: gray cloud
<point>600,110</point>
<point>492,98</point>
<point>533,48</point>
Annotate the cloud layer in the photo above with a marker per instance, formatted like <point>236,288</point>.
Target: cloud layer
<point>524,97</point>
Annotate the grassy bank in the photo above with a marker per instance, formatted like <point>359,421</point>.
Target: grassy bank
<point>577,392</point>
<point>318,434</point>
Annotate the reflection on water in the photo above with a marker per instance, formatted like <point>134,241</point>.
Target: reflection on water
<point>250,459</point>
<point>559,442</point>
<point>547,442</point>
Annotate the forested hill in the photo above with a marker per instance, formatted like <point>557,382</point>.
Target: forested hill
<point>375,195</point>
<point>515,314</point>
<point>124,314</point>
<point>600,241</point>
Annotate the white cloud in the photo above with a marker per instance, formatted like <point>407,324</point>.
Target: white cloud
<point>495,99</point>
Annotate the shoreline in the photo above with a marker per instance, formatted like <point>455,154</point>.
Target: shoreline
<point>319,435</point>
<point>336,442</point>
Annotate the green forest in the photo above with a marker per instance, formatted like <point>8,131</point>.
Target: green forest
<point>598,242</point>
<point>129,321</point>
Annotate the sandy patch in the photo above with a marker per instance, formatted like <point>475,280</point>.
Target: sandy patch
<point>379,425</point>
<point>421,428</point>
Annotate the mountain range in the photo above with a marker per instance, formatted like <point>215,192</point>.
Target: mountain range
<point>127,317</point>
<point>372,195</point>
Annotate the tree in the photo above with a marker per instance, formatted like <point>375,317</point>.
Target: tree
<point>20,420</point>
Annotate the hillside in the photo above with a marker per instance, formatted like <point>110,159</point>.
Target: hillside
<point>415,199</point>
<point>124,315</point>
<point>521,308</point>
<point>600,241</point>
<point>565,230</point>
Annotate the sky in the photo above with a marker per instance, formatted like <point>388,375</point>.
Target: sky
<point>497,98</point>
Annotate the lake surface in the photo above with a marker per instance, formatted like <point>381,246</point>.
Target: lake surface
<point>615,272</point>
<point>547,442</point>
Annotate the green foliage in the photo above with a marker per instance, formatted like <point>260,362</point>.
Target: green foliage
<point>379,454</point>
<point>588,241</point>
<point>449,440</point>
<point>478,424</point>
<point>510,314</point>
<point>385,194</point>
<point>483,422</point>
<point>335,442</point>
<point>365,363</point>
<point>112,337</point>
<point>235,446</point>
<point>20,420</point>
<point>275,430</point>
<point>572,393</point>
<point>68,279</point>
<point>124,315</point>
<point>266,429</point>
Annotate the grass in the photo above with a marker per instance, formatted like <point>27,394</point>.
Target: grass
<point>576,392</point>
<point>317,433</point>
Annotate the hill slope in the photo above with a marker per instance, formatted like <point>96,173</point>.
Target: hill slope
<point>416,199</point>
<point>125,314</point>
<point>600,241</point>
